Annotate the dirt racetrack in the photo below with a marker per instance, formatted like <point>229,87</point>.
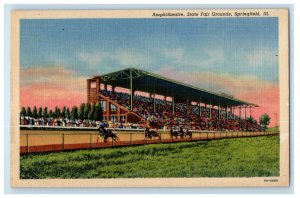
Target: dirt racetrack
<point>57,140</point>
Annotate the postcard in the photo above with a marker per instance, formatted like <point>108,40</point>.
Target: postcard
<point>150,98</point>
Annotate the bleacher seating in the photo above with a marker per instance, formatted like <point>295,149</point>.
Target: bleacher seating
<point>182,116</point>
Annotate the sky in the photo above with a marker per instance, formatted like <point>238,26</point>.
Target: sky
<point>237,56</point>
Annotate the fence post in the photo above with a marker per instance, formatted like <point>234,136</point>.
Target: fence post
<point>159,134</point>
<point>27,142</point>
<point>90,140</point>
<point>63,142</point>
<point>130,138</point>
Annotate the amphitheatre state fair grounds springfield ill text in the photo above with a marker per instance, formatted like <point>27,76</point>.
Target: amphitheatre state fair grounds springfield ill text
<point>209,14</point>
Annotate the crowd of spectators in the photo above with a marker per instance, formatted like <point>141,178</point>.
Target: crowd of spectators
<point>26,120</point>
<point>183,116</point>
<point>64,122</point>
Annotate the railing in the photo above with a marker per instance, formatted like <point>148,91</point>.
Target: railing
<point>43,141</point>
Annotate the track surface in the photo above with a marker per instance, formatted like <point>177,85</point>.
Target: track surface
<point>45,141</point>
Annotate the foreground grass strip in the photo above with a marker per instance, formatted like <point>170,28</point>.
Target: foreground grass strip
<point>241,157</point>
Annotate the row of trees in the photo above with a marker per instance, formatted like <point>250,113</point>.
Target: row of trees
<point>84,111</point>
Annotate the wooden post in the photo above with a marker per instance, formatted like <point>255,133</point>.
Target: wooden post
<point>90,140</point>
<point>27,142</point>
<point>63,142</point>
<point>130,138</point>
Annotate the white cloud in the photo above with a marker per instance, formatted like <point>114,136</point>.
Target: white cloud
<point>219,82</point>
<point>260,57</point>
<point>55,76</point>
<point>131,58</point>
<point>212,57</point>
<point>93,58</point>
<point>122,56</point>
<point>176,54</point>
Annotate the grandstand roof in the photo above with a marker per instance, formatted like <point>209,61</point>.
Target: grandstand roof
<point>153,83</point>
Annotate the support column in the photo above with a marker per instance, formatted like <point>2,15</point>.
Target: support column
<point>187,106</point>
<point>173,104</point>
<point>250,111</point>
<point>88,90</point>
<point>210,108</point>
<point>154,107</point>
<point>219,111</point>
<point>245,112</point>
<point>118,116</point>
<point>113,88</point>
<point>240,112</point>
<point>131,90</point>
<point>233,113</point>
<point>107,110</point>
<point>200,111</point>
<point>105,87</point>
<point>226,110</point>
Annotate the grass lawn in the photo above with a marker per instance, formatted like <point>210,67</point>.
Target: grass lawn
<point>276,128</point>
<point>238,157</point>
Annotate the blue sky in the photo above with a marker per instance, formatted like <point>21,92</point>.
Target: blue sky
<point>233,46</point>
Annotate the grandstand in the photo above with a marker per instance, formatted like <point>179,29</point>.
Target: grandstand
<point>166,102</point>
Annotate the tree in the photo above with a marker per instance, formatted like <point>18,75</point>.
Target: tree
<point>45,112</point>
<point>98,113</point>
<point>50,113</point>
<point>81,112</point>
<point>251,120</point>
<point>63,112</point>
<point>264,121</point>
<point>74,113</point>
<point>23,112</point>
<point>91,115</point>
<point>28,112</point>
<point>87,110</point>
<point>68,114</point>
<point>40,112</point>
<point>34,112</point>
<point>57,112</point>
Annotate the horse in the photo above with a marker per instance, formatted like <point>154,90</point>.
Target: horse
<point>176,133</point>
<point>188,133</point>
<point>150,134</point>
<point>107,133</point>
